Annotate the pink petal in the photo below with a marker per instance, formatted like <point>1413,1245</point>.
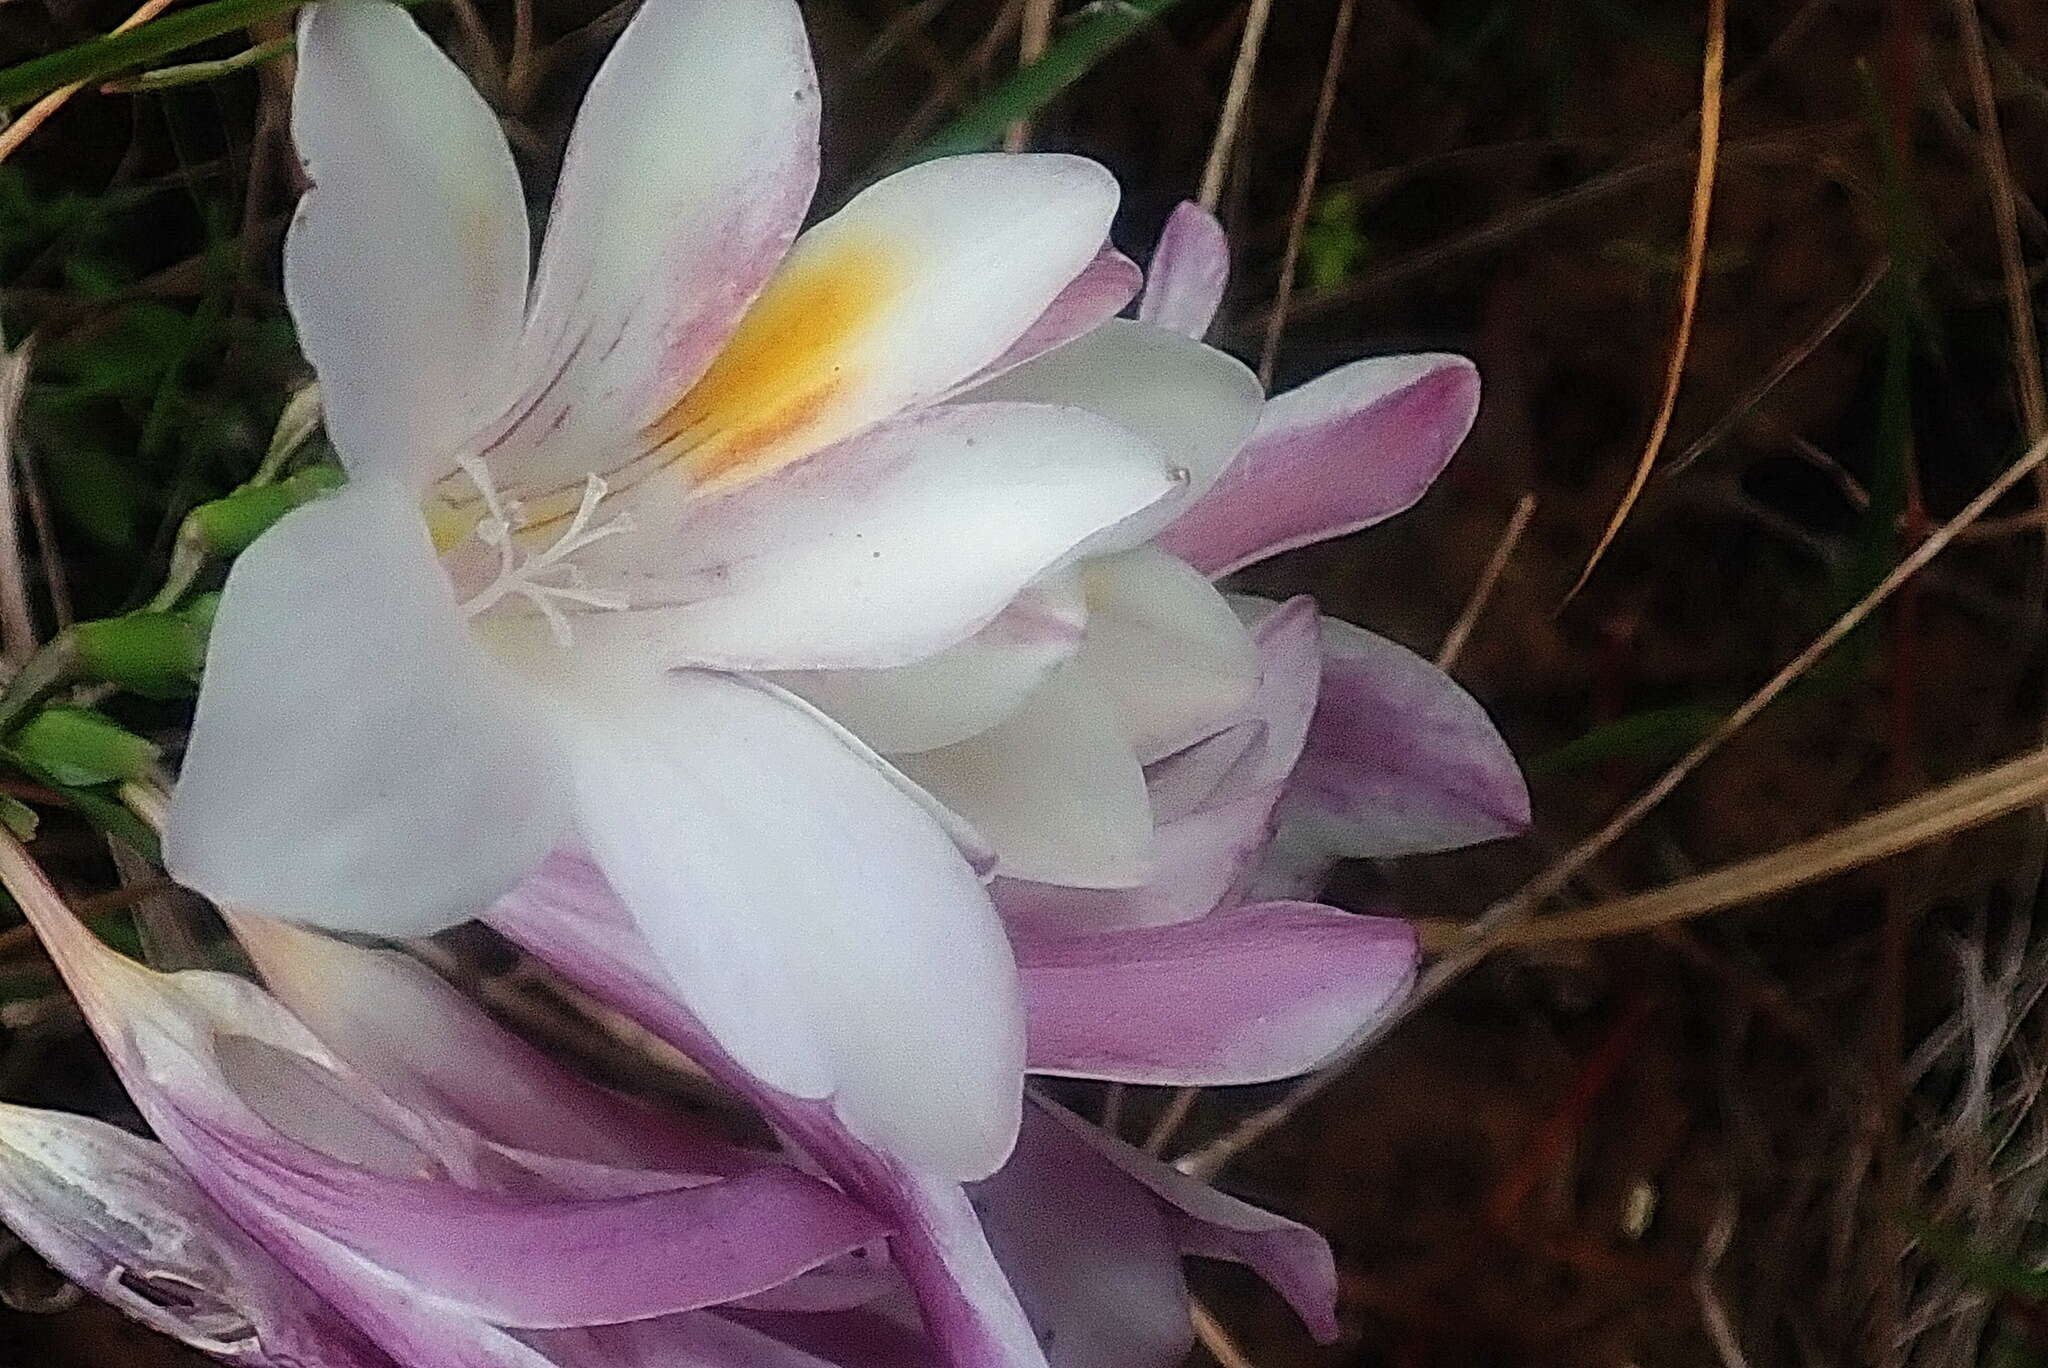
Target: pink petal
<point>1399,759</point>
<point>1190,270</point>
<point>1342,452</point>
<point>1210,1224</point>
<point>1247,996</point>
<point>1092,1254</point>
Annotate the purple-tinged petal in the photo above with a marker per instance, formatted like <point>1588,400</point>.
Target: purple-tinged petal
<point>113,1213</point>
<point>1092,1254</point>
<point>547,1262</point>
<point>697,1340</point>
<point>1212,1225</point>
<point>1399,760</point>
<point>1340,453</point>
<point>570,918</point>
<point>1190,270</point>
<point>433,1049</point>
<point>1247,996</point>
<point>1096,295</point>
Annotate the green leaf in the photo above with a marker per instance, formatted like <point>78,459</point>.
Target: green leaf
<point>1655,732</point>
<point>1099,30</point>
<point>78,748</point>
<point>139,46</point>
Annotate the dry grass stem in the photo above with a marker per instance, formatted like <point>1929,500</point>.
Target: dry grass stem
<point>1034,34</point>
<point>1689,292</point>
<point>1931,816</point>
<point>1489,580</point>
<point>17,619</point>
<point>1305,193</point>
<point>1218,1341</point>
<point>1217,167</point>
<point>2026,342</point>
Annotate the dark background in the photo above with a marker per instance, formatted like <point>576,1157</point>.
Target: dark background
<point>1720,1142</point>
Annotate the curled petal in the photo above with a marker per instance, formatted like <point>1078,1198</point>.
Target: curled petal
<point>1342,452</point>
<point>414,189</point>
<point>1094,297</point>
<point>1190,270</point>
<point>569,917</point>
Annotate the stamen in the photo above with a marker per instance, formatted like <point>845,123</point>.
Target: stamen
<point>523,576</point>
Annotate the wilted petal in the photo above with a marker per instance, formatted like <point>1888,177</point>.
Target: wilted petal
<point>355,762</point>
<point>1246,996</point>
<point>113,1213</point>
<point>1195,404</point>
<point>1399,760</point>
<point>1342,452</point>
<point>1091,1254</point>
<point>821,924</point>
<point>1055,789</point>
<point>963,690</point>
<point>569,917</point>
<point>686,178</point>
<point>1166,650</point>
<point>885,550</point>
<point>406,266</point>
<point>1190,269</point>
<point>1211,1224</point>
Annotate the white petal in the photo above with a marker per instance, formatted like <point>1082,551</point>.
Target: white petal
<point>355,762</point>
<point>817,920</point>
<point>919,283</point>
<point>963,690</point>
<point>1056,789</point>
<point>406,266</point>
<point>883,550</point>
<point>1196,404</point>
<point>1165,648</point>
<point>692,161</point>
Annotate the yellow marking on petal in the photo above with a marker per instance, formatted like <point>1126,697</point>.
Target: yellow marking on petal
<point>448,525</point>
<point>768,397</point>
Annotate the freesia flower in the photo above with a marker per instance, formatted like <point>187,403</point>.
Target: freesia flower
<point>588,512</point>
<point>1086,786</point>
<point>386,1176</point>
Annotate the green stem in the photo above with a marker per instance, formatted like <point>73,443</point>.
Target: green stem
<point>1100,30</point>
<point>192,73</point>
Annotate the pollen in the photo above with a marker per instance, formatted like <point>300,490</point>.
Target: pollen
<point>770,395</point>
